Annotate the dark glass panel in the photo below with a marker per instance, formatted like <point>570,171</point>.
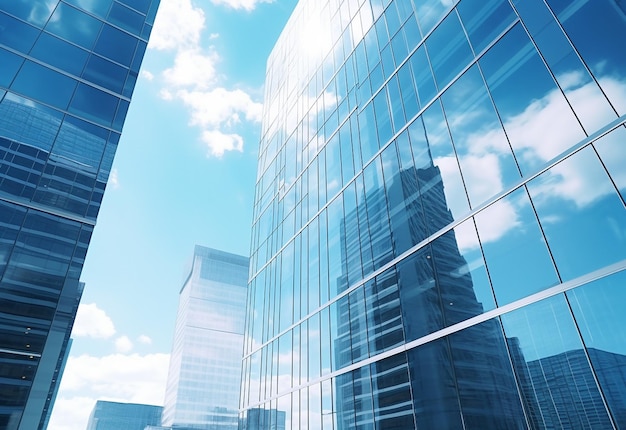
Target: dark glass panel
<point>581,213</point>
<point>35,12</point>
<point>424,81</point>
<point>105,73</point>
<point>43,84</point>
<point>116,45</point>
<point>486,160</point>
<point>538,120</point>
<point>485,20</point>
<point>74,25</point>
<point>358,325</point>
<point>97,7</point>
<point>553,372</point>
<point>93,104</point>
<point>368,135</point>
<point>16,34</point>
<point>81,142</point>
<point>126,18</point>
<point>449,50</point>
<point>10,65</point>
<point>377,214</point>
<point>512,242</point>
<point>59,53</point>
<point>599,311</point>
<point>391,393</point>
<point>384,315</point>
<point>140,5</point>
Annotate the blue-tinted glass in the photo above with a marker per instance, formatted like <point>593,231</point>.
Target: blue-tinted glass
<point>436,161</point>
<point>528,101</point>
<point>73,25</point>
<point>10,65</point>
<point>599,312</point>
<point>590,105</point>
<point>512,242</point>
<point>383,118</point>
<point>105,73</point>
<point>486,160</point>
<point>43,84</point>
<point>126,18</point>
<point>35,12</point>
<point>16,34</point>
<point>391,393</point>
<point>120,115</point>
<point>368,135</point>
<point>424,81</point>
<point>418,290</point>
<point>377,214</point>
<point>596,29</point>
<point>484,378</point>
<point>384,315</point>
<point>554,376</point>
<point>448,49</point>
<point>407,90</point>
<point>358,325</point>
<point>116,45</point>
<point>429,12</point>
<point>82,142</point>
<point>484,20</point>
<point>613,155</point>
<point>27,111</point>
<point>59,53</point>
<point>94,105</point>
<point>97,7</point>
<point>461,275</point>
<point>580,212</point>
<point>140,5</point>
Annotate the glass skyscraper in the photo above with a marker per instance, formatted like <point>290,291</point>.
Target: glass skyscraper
<point>205,365</point>
<point>67,72</point>
<point>123,416</point>
<point>439,229</point>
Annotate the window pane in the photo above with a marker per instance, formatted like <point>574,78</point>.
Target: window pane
<point>73,25</point>
<point>599,311</point>
<point>126,18</point>
<point>485,20</point>
<point>43,84</point>
<point>10,65</point>
<point>105,73</point>
<point>512,242</point>
<point>59,53</point>
<point>36,12</point>
<point>613,155</point>
<point>553,373</point>
<point>581,213</point>
<point>94,105</point>
<point>116,45</point>
<point>16,34</point>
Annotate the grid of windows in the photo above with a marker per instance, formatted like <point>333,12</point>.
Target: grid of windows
<point>439,224</point>
<point>67,72</point>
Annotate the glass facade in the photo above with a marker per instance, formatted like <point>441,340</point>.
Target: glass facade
<point>205,365</point>
<point>67,72</point>
<point>439,234</point>
<point>123,416</point>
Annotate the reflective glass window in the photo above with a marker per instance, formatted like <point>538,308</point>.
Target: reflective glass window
<point>116,45</point>
<point>105,73</point>
<point>448,49</point>
<point>17,34</point>
<point>74,25</point>
<point>553,373</point>
<point>581,213</point>
<point>59,53</point>
<point>437,165</point>
<point>591,106</point>
<point>94,104</point>
<point>486,160</point>
<point>408,92</point>
<point>391,393</point>
<point>383,118</point>
<point>538,120</point>
<point>424,81</point>
<point>367,129</point>
<point>599,312</point>
<point>512,242</point>
<point>126,18</point>
<point>418,290</point>
<point>461,274</point>
<point>10,65</point>
<point>595,28</point>
<point>485,381</point>
<point>140,5</point>
<point>43,84</point>
<point>82,142</point>
<point>429,12</point>
<point>613,155</point>
<point>97,7</point>
<point>358,325</point>
<point>377,214</point>
<point>35,12</point>
<point>484,20</point>
<point>384,315</point>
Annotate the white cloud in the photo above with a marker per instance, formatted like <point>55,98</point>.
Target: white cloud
<point>220,107</point>
<point>123,378</point>
<point>91,321</point>
<point>146,340</point>
<point>178,24</point>
<point>146,75</point>
<point>192,68</point>
<point>248,5</point>
<point>219,142</point>
<point>114,179</point>
<point>123,344</point>
<point>214,36</point>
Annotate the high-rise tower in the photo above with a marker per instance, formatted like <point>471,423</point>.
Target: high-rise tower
<point>67,73</point>
<point>205,366</point>
<point>439,235</point>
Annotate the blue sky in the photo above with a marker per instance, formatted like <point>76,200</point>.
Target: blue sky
<point>184,174</point>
